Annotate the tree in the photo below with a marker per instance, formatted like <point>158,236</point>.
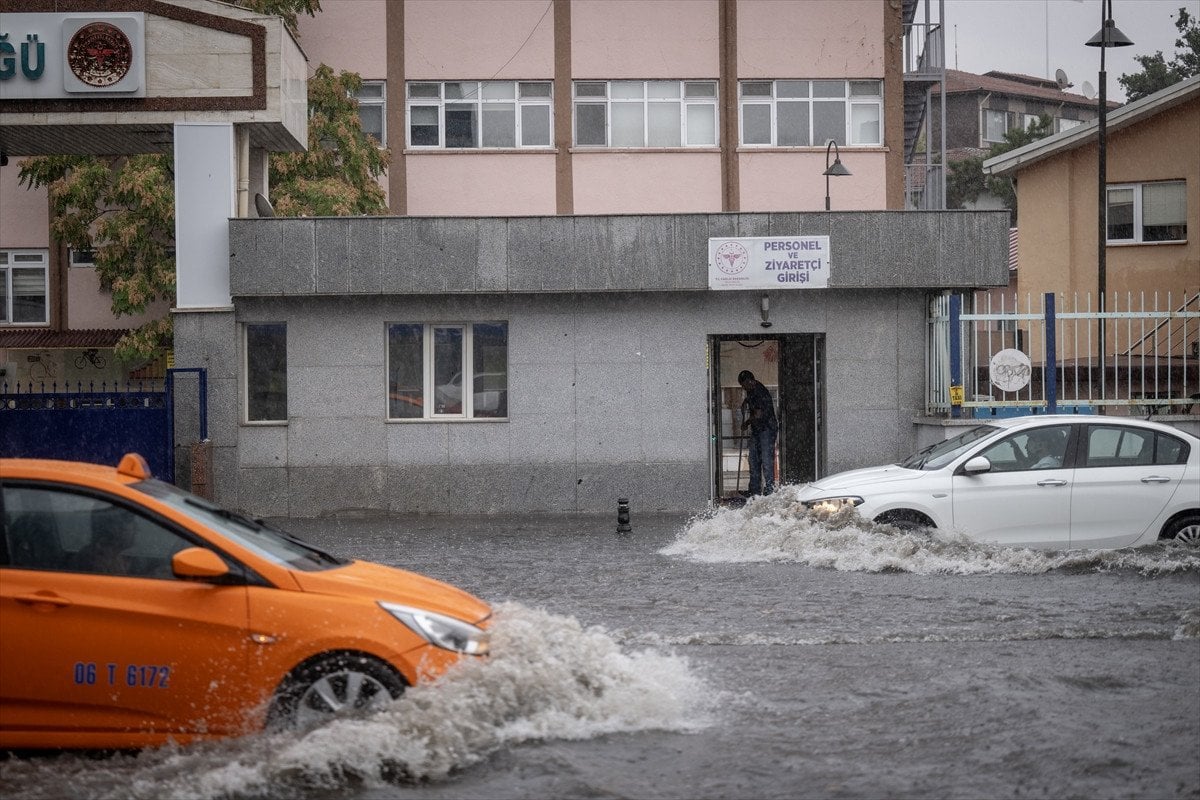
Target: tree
<point>335,177</point>
<point>1158,73</point>
<point>966,182</point>
<point>123,209</point>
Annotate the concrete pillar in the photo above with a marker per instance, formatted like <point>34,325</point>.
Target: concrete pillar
<point>205,196</point>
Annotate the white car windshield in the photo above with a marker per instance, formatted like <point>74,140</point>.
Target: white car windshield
<point>939,454</point>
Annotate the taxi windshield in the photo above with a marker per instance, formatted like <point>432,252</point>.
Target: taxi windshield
<point>270,543</point>
<point>939,454</point>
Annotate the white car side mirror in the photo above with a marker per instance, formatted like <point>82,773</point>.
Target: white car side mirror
<point>977,465</point>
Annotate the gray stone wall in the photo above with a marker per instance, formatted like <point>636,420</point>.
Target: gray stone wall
<point>609,323</point>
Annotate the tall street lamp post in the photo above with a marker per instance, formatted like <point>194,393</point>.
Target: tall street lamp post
<point>837,169</point>
<point>1109,35</point>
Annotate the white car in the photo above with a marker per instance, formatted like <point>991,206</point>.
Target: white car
<point>1048,481</point>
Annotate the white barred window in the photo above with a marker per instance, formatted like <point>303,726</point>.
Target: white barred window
<point>808,113</point>
<point>646,113</point>
<point>480,114</point>
<point>24,287</point>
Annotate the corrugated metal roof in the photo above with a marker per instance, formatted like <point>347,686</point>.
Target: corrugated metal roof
<point>44,339</point>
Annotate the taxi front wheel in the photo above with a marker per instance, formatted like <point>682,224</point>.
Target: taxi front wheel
<point>333,685</point>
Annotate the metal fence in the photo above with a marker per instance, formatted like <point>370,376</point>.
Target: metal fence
<point>995,354</point>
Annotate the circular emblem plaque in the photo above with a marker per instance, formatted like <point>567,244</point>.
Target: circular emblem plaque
<point>1010,370</point>
<point>732,258</point>
<point>99,54</point>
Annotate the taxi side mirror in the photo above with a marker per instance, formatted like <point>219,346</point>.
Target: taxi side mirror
<point>198,563</point>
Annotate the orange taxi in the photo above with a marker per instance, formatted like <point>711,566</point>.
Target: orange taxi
<point>133,613</point>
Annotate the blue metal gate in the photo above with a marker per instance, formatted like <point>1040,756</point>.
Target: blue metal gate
<point>95,424</point>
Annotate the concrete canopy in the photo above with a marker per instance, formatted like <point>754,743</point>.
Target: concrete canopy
<point>204,62</point>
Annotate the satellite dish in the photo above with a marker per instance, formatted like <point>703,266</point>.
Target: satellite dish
<point>1060,78</point>
<point>263,206</point>
<point>1088,91</point>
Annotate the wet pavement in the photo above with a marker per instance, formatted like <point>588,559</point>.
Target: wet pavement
<point>750,653</point>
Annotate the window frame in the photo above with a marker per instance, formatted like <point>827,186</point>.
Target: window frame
<point>246,377</point>
<point>373,102</point>
<point>1138,189</point>
<point>8,263</point>
<point>983,125</point>
<point>479,102</point>
<point>682,99</point>
<point>466,372</point>
<point>849,101</point>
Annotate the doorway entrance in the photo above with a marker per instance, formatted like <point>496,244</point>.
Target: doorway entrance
<point>792,367</point>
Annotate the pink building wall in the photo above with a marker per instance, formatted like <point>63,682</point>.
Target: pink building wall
<point>810,39</point>
<point>647,182</point>
<point>481,184</point>
<point>24,215</point>
<point>470,40</point>
<point>613,39</point>
<point>348,35</point>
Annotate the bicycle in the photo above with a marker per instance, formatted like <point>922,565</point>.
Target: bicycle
<point>91,355</point>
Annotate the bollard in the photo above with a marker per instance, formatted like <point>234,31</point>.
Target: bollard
<point>623,515</point>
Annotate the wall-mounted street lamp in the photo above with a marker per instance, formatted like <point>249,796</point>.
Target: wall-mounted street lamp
<point>836,169</point>
<point>1109,35</point>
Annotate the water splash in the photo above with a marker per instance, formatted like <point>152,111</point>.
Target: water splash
<point>547,678</point>
<point>779,528</point>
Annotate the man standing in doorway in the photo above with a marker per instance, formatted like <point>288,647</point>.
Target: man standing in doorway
<point>763,432</point>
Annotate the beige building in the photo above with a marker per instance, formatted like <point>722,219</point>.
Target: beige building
<point>1153,193</point>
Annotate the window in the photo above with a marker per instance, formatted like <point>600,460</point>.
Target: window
<point>429,364</point>
<point>1147,212</point>
<point>81,257</point>
<point>61,531</point>
<point>995,125</point>
<point>802,113</point>
<point>480,114</point>
<point>372,110</point>
<point>646,113</point>
<point>1064,124</point>
<point>1131,447</point>
<point>24,287</point>
<point>1042,448</point>
<point>266,372</point>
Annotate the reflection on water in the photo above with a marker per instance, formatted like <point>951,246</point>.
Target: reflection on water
<point>778,528</point>
<point>547,678</point>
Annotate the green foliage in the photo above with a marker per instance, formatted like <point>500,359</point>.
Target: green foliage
<point>336,176</point>
<point>282,8</point>
<point>966,182</point>
<point>1158,73</point>
<point>124,210</point>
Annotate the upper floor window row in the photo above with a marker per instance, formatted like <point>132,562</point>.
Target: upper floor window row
<point>997,123</point>
<point>643,113</point>
<point>480,114</point>
<point>808,113</point>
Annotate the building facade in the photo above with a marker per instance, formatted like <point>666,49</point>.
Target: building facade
<point>537,326</point>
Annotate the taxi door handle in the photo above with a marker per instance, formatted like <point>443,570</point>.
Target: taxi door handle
<point>42,599</point>
<point>1156,479</point>
<point>1052,482</point>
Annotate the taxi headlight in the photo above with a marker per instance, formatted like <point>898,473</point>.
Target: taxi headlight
<point>828,505</point>
<point>440,630</point>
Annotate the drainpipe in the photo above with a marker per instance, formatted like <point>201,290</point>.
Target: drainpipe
<point>243,176</point>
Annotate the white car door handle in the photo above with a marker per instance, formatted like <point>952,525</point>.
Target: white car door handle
<point>1052,482</point>
<point>1155,479</point>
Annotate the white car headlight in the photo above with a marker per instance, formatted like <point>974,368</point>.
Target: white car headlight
<point>828,505</point>
<point>440,630</point>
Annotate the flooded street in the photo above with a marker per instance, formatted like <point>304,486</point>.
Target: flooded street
<point>749,653</point>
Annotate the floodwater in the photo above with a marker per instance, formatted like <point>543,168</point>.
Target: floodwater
<point>746,653</point>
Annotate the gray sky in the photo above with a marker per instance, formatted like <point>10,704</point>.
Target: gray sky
<point>1036,37</point>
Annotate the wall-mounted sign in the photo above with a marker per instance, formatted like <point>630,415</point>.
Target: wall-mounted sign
<point>59,56</point>
<point>769,262</point>
<point>1009,370</point>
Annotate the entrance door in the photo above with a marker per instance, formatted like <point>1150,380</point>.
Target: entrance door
<point>791,366</point>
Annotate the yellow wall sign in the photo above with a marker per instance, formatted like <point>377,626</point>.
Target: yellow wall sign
<point>956,395</point>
